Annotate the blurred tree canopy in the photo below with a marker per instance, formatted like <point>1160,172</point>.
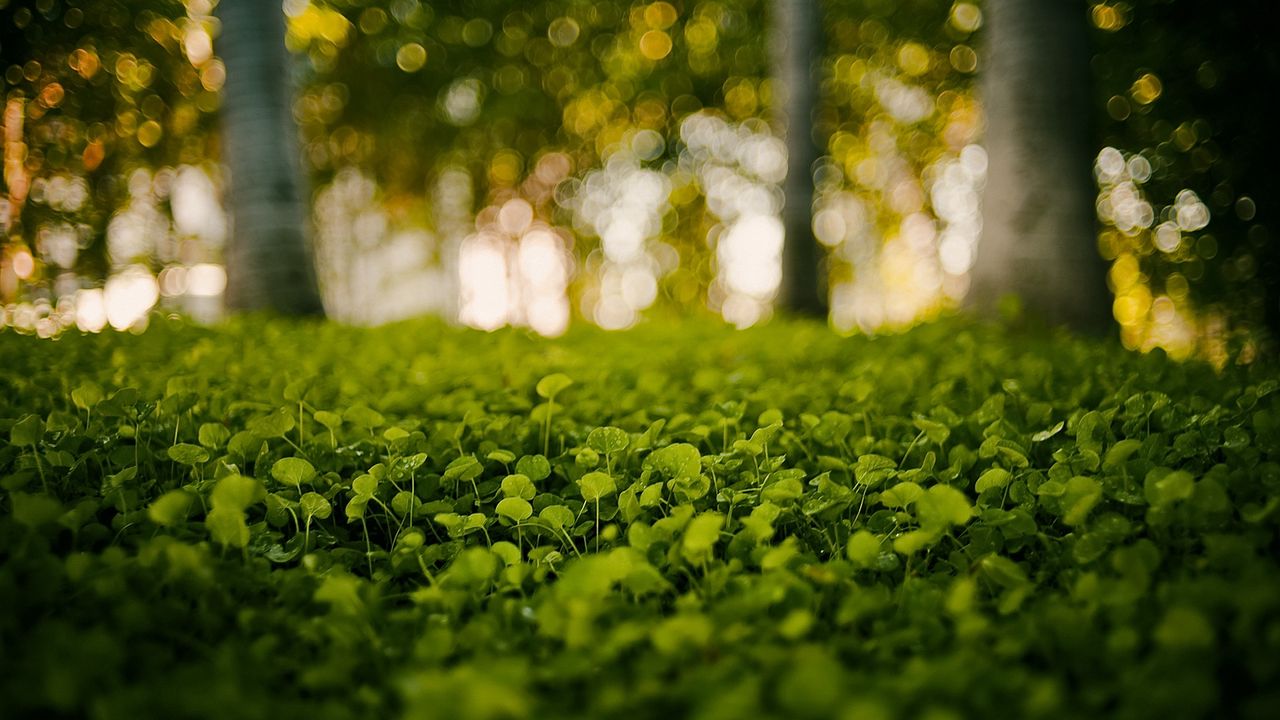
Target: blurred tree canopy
<point>1190,193</point>
<point>634,139</point>
<point>94,90</point>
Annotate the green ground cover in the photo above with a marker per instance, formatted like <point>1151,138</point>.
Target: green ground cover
<point>271,519</point>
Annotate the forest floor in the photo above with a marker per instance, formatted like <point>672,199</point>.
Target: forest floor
<point>267,519</point>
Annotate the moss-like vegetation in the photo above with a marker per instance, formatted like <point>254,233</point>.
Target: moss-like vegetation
<point>271,519</point>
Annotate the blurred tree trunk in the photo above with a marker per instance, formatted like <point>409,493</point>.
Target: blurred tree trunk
<point>797,49</point>
<point>269,260</point>
<point>1039,238</point>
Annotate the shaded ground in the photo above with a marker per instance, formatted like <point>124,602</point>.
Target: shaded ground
<point>269,519</point>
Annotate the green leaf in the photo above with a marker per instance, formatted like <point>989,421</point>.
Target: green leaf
<point>1050,432</point>
<point>244,444</point>
<point>596,485</point>
<point>552,385</point>
<point>556,516</point>
<point>213,435</point>
<point>330,420</point>
<point>687,490</point>
<point>365,485</point>
<point>236,493</point>
<point>170,508</point>
<point>363,417</point>
<point>1003,571</point>
<point>314,505</point>
<point>187,454</point>
<point>1081,495</point>
<point>515,508</point>
<point>1164,487</point>
<point>762,435</point>
<point>680,460</point>
<point>274,425</point>
<point>297,390</point>
<point>629,508</point>
<point>534,467</point>
<point>645,579</point>
<point>410,539</point>
<point>871,470</point>
<point>405,502</point>
<point>1089,547</point>
<point>451,522</point>
<point>26,432</point>
<point>759,524</point>
<point>86,395</point>
<point>1235,438</point>
<point>777,557</point>
<point>863,548</point>
<point>120,402</point>
<point>607,440</point>
<point>1184,627</point>
<point>123,477</point>
<point>179,403</point>
<point>356,507</point>
<point>935,431</point>
<point>943,506</point>
<point>509,553</point>
<point>227,526</point>
<point>506,457</point>
<point>995,477</point>
<point>681,633</point>
<point>1051,488</point>
<point>782,492</point>
<point>472,568</point>
<point>1120,453</point>
<point>518,486</point>
<point>1255,513</point>
<point>651,496</point>
<point>772,416</point>
<point>901,495</point>
<point>587,458</point>
<point>293,471</point>
<point>701,535</point>
<point>463,469</point>
<point>1012,455</point>
<point>1090,425</point>
<point>35,510</point>
<point>912,542</point>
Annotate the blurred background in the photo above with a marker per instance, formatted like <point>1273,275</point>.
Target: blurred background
<point>552,162</point>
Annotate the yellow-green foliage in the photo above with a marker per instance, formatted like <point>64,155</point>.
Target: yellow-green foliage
<point>271,520</point>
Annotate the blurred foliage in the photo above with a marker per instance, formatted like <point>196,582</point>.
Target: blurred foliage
<point>1181,87</point>
<point>522,96</point>
<point>99,90</point>
<point>273,519</point>
<point>529,99</point>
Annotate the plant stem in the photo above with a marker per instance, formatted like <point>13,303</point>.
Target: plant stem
<point>368,548</point>
<point>40,469</point>
<point>546,435</point>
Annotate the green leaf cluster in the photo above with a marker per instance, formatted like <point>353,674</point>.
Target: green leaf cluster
<point>961,520</point>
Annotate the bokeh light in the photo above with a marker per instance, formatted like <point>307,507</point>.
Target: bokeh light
<point>547,163</point>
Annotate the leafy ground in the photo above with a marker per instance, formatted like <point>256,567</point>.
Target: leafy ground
<point>270,519</point>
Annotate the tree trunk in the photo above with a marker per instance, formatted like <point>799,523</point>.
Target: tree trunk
<point>1039,237</point>
<point>269,261</point>
<point>797,40</point>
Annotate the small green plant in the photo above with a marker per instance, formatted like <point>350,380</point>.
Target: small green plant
<point>957,521</point>
<point>548,388</point>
